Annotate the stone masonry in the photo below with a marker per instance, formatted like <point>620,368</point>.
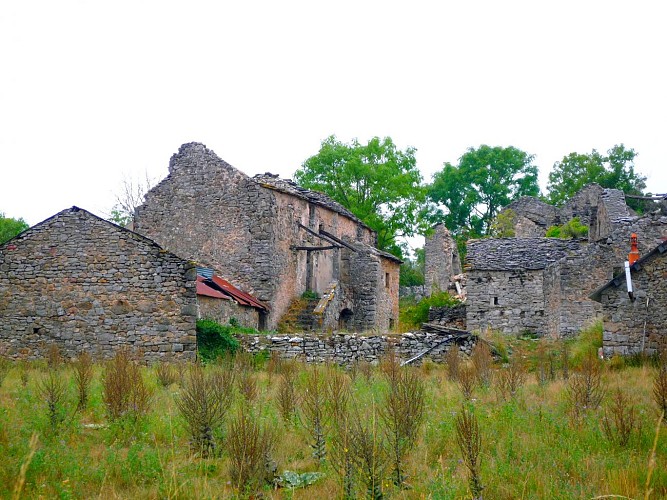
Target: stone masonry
<point>347,349</point>
<point>636,324</point>
<point>542,285</point>
<point>88,285</point>
<point>442,259</point>
<point>532,217</point>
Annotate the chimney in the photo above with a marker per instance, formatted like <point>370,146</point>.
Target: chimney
<point>633,256</point>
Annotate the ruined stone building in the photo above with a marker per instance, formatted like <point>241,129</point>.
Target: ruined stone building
<point>531,217</point>
<point>88,285</point>
<point>273,239</point>
<point>529,283</point>
<point>635,323</point>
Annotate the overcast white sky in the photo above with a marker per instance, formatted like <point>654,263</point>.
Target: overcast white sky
<point>92,91</point>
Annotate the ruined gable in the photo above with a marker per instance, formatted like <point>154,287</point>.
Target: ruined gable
<point>86,284</point>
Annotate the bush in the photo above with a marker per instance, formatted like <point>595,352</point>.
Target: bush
<point>413,315</point>
<point>572,229</point>
<point>215,340</point>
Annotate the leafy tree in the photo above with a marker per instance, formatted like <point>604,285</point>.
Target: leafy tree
<point>615,170</point>
<point>412,270</point>
<point>377,182</point>
<point>485,180</point>
<point>503,225</point>
<point>10,227</point>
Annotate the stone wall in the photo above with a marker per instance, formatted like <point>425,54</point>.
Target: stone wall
<point>510,301</point>
<point>346,349</point>
<point>453,317</point>
<point>442,259</point>
<point>633,325</point>
<point>88,285</point>
<point>223,311</point>
<point>611,210</point>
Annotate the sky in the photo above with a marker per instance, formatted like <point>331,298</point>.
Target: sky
<point>92,93</point>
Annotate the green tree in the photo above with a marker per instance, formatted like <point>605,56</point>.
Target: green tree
<point>412,269</point>
<point>615,170</point>
<point>485,180</point>
<point>377,182</point>
<point>10,227</point>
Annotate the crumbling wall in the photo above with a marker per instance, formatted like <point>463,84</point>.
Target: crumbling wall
<point>532,216</point>
<point>611,209</point>
<point>442,259</point>
<point>631,326</point>
<point>348,349</point>
<point>583,205</point>
<point>88,285</point>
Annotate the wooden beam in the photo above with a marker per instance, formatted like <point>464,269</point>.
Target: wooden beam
<point>337,240</point>
<point>314,249</point>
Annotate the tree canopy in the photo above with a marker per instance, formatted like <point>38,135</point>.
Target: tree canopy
<point>10,227</point>
<point>485,180</point>
<point>615,170</point>
<point>377,182</point>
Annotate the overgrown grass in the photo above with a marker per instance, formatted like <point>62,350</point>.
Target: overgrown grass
<point>529,446</point>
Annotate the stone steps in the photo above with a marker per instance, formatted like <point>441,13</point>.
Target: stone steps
<point>299,316</point>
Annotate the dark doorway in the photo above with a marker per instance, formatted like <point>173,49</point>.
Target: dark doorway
<point>345,319</point>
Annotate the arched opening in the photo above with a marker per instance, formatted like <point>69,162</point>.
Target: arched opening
<point>345,319</point>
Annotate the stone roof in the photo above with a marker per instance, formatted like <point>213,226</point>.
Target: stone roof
<point>504,254</point>
<point>619,279</point>
<point>272,181</point>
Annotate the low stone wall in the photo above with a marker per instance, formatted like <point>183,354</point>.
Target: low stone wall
<point>454,317</point>
<point>346,349</point>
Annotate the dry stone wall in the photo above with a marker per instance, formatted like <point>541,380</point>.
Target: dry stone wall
<point>88,285</point>
<point>347,349</point>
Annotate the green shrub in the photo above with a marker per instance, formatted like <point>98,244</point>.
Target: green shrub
<point>215,340</point>
<point>572,229</point>
<point>588,340</point>
<point>413,314</point>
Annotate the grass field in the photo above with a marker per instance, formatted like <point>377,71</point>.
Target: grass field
<point>535,443</point>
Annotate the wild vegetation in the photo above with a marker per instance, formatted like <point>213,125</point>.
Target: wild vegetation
<point>429,431</point>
